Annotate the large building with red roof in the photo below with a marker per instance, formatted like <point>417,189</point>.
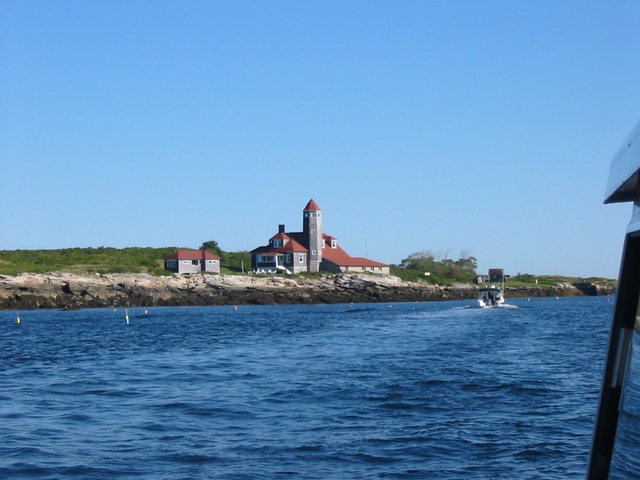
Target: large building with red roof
<point>309,251</point>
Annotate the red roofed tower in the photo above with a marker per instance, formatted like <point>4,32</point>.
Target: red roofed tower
<point>312,229</point>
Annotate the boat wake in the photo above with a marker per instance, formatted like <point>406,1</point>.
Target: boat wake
<point>357,310</point>
<point>504,305</point>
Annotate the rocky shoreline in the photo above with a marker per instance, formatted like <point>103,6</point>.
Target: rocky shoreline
<point>68,291</point>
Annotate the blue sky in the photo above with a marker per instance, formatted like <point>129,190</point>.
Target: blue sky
<point>484,127</point>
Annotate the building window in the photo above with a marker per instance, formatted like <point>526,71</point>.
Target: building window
<point>195,262</point>
<point>313,252</point>
<point>334,244</point>
<point>171,264</point>
<point>301,258</point>
<point>277,243</point>
<point>288,258</point>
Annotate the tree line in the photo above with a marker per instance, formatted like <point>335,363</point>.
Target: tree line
<point>438,267</point>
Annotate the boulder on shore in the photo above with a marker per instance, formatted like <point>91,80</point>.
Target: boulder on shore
<point>65,290</point>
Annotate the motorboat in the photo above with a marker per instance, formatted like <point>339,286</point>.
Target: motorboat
<point>490,296</point>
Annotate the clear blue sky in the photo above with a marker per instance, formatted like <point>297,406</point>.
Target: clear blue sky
<point>449,126</point>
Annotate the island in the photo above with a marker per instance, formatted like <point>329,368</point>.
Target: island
<point>60,290</point>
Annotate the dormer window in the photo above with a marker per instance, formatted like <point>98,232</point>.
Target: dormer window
<point>334,244</point>
<point>277,243</point>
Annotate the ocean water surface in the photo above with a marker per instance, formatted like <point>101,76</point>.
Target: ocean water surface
<point>439,390</point>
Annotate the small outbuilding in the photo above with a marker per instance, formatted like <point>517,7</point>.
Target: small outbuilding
<point>496,275</point>
<point>192,261</point>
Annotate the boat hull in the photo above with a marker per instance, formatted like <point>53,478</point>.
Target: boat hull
<point>483,304</point>
<point>491,297</point>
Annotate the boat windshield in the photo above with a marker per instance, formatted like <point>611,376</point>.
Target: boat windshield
<point>617,429</point>
<point>615,441</point>
<point>625,462</point>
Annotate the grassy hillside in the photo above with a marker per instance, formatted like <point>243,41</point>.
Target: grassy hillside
<point>522,280</point>
<point>85,260</point>
<point>105,260</point>
<point>548,280</point>
<point>150,260</point>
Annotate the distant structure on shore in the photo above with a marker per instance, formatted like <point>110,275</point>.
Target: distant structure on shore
<point>192,261</point>
<point>309,251</point>
<point>496,275</point>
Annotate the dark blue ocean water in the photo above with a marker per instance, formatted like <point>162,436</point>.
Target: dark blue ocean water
<point>420,390</point>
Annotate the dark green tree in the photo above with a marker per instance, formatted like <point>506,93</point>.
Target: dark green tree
<point>213,247</point>
<point>238,261</point>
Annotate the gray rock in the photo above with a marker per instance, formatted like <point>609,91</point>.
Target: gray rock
<point>63,290</point>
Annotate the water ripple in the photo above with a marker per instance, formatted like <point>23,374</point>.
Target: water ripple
<point>422,390</point>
